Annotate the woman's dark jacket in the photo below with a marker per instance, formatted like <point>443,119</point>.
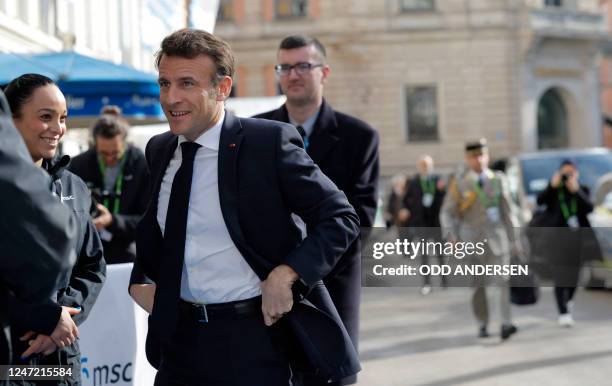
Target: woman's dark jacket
<point>80,289</point>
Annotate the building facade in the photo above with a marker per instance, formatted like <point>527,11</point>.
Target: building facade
<point>431,74</point>
<point>122,31</point>
<point>606,77</point>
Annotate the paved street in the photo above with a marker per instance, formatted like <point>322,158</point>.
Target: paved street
<point>409,339</point>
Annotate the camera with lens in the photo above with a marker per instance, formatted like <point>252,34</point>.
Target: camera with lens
<point>99,196</point>
<point>565,177</point>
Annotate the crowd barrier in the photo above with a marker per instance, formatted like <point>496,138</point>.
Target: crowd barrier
<point>112,339</point>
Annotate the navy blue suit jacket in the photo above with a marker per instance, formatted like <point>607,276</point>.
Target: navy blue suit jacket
<point>346,150</point>
<point>264,176</point>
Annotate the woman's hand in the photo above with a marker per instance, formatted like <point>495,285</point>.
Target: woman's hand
<point>66,331</point>
<point>41,344</point>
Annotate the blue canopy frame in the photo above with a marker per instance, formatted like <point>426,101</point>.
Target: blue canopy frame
<point>89,83</point>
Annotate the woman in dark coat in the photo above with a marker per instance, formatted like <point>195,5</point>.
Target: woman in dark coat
<point>47,333</point>
<point>567,205</point>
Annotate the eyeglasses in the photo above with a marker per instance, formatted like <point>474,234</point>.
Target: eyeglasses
<point>301,68</point>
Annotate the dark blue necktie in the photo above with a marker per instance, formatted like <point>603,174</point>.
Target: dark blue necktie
<point>302,132</point>
<point>168,290</point>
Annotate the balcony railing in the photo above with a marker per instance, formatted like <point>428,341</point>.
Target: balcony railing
<point>566,20</point>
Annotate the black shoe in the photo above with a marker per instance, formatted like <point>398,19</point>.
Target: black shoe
<point>483,333</point>
<point>507,330</point>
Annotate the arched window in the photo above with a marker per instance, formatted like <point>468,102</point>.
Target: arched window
<point>552,121</point>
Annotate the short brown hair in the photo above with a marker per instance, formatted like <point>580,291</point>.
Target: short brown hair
<point>189,43</point>
<point>110,124</point>
<point>298,41</point>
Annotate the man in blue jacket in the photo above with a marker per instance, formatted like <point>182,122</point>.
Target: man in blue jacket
<point>238,294</point>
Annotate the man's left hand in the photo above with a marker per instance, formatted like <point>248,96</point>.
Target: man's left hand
<point>105,219</point>
<point>276,294</point>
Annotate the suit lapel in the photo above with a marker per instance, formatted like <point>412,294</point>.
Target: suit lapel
<point>229,147</point>
<point>280,114</point>
<point>168,149</point>
<point>323,139</point>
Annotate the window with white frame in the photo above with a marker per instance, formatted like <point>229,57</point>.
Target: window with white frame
<point>48,16</point>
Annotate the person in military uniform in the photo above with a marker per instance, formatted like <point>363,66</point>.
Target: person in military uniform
<point>478,207</point>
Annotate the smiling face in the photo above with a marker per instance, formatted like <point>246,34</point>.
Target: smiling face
<point>190,100</point>
<point>42,122</point>
<point>307,88</point>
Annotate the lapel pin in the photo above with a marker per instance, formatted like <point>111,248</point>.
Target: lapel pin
<point>232,145</point>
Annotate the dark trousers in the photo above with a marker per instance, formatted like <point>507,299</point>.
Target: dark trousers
<point>566,263</point>
<point>427,278</point>
<point>564,295</point>
<point>233,350</point>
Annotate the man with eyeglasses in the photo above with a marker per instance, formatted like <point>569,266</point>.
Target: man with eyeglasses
<point>346,150</point>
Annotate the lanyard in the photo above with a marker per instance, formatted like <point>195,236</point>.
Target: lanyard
<point>118,184</point>
<point>567,212</point>
<point>428,185</point>
<point>487,200</point>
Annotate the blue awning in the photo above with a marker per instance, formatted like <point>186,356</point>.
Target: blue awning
<point>89,83</point>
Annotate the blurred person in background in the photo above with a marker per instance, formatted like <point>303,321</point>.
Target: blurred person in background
<point>117,174</point>
<point>38,242</point>
<point>394,201</point>
<point>567,205</point>
<point>478,207</point>
<point>421,211</point>
<point>45,333</point>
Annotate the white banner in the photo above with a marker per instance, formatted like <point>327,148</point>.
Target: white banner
<point>112,339</point>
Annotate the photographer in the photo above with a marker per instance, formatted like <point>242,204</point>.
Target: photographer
<point>567,205</point>
<point>118,178</point>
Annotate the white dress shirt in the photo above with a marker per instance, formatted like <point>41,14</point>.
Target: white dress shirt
<point>214,271</point>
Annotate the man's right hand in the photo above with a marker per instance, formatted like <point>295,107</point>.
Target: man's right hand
<point>556,180</point>
<point>66,331</point>
<point>143,295</point>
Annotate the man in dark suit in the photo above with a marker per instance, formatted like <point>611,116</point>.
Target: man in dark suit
<point>235,283</point>
<point>38,241</point>
<point>420,211</point>
<point>346,150</point>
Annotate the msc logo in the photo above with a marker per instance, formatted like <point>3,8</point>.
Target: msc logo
<point>108,374</point>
